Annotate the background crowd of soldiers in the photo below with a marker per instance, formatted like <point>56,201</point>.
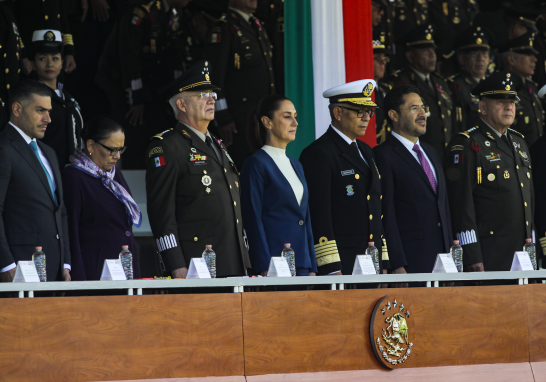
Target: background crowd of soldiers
<point>120,53</point>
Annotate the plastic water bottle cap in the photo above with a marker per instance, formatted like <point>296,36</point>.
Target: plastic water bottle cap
<point>125,246</point>
<point>38,248</point>
<point>208,246</point>
<point>528,239</point>
<point>455,241</point>
<point>287,245</point>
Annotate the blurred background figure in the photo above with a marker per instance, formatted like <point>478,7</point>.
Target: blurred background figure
<point>381,57</point>
<point>101,210</point>
<point>274,194</point>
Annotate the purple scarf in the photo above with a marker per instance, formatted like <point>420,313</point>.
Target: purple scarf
<point>82,162</point>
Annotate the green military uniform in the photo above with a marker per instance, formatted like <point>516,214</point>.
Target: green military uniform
<point>436,96</point>
<point>466,109</point>
<point>490,187</point>
<point>193,196</point>
<point>241,55</point>
<point>456,15</point>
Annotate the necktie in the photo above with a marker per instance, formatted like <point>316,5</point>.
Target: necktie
<point>505,139</point>
<point>209,144</point>
<point>429,83</point>
<point>425,166</point>
<point>34,148</point>
<point>354,146</point>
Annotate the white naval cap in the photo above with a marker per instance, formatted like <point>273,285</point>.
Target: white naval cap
<point>358,93</point>
<point>47,41</point>
<point>47,35</point>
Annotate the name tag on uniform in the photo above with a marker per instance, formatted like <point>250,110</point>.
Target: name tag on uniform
<point>347,172</point>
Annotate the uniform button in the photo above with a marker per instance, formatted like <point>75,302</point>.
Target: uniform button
<point>237,221</point>
<point>371,237</point>
<point>45,17</point>
<point>205,172</point>
<point>517,167</point>
<point>445,130</point>
<point>527,223</point>
<point>381,197</point>
<point>57,236</point>
<point>230,187</point>
<point>439,103</point>
<point>301,222</point>
<point>498,166</point>
<point>381,216</point>
<point>479,111</point>
<point>247,47</point>
<point>439,224</point>
<point>235,204</point>
<point>225,170</point>
<point>525,204</point>
<point>368,197</point>
<point>244,99</point>
<point>443,116</point>
<point>272,84</point>
<point>127,233</point>
<point>521,184</point>
<point>357,176</point>
<point>195,239</point>
<point>58,15</point>
<point>491,232</point>
<point>371,217</point>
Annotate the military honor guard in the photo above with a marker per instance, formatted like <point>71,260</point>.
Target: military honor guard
<point>489,181</point>
<point>192,184</point>
<point>420,72</point>
<point>519,56</point>
<point>241,59</point>
<point>472,47</point>
<point>343,181</point>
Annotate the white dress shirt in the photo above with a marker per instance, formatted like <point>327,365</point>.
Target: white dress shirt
<point>409,145</point>
<point>284,164</point>
<point>349,141</point>
<point>49,170</point>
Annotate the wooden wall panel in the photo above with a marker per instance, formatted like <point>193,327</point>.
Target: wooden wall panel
<point>297,332</point>
<point>536,300</point>
<point>120,337</point>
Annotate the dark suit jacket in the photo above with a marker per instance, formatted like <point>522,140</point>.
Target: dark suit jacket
<point>29,217</point>
<point>416,221</point>
<point>538,156</point>
<point>98,223</point>
<point>272,215</point>
<point>344,199</point>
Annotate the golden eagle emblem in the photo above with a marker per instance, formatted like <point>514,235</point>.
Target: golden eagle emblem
<point>368,89</point>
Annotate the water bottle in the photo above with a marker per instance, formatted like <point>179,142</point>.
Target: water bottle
<point>290,256</point>
<point>456,252</point>
<point>40,262</point>
<point>210,258</point>
<point>530,248</point>
<point>126,258</point>
<point>374,253</point>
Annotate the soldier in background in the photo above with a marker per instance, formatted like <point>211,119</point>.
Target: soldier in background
<point>380,60</point>
<point>151,45</point>
<point>518,56</point>
<point>420,72</point>
<point>241,60</point>
<point>457,15</point>
<point>472,47</point>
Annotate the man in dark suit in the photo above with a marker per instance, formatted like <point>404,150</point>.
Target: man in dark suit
<point>343,181</point>
<point>488,175</point>
<point>415,206</point>
<point>31,195</point>
<point>192,184</point>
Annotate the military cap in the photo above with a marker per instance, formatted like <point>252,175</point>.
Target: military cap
<point>500,85</point>
<point>522,44</point>
<point>379,44</point>
<point>197,77</point>
<point>420,37</point>
<point>357,93</point>
<point>474,38</point>
<point>525,16</point>
<point>47,41</point>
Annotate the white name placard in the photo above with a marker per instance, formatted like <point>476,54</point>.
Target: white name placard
<point>278,267</point>
<point>444,264</point>
<point>198,269</point>
<point>26,273</point>
<point>521,262</point>
<point>364,265</point>
<point>112,270</point>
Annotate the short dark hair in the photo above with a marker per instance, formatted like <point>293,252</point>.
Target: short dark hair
<point>23,92</point>
<point>395,97</point>
<point>99,128</point>
<point>257,132</point>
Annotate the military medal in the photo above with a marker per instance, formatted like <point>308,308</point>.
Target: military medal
<point>506,174</point>
<point>491,177</point>
<point>193,150</point>
<point>487,143</point>
<point>206,180</point>
<point>208,190</point>
<point>350,190</point>
<point>524,155</point>
<point>456,20</point>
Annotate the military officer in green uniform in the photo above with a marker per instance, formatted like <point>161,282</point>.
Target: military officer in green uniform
<point>150,45</point>
<point>472,47</point>
<point>518,55</point>
<point>380,59</point>
<point>420,72</point>
<point>241,59</point>
<point>192,185</point>
<point>489,181</point>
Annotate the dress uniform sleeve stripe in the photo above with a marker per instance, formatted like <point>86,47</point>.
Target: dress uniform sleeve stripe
<point>162,243</point>
<point>467,237</point>
<point>323,260</point>
<point>168,242</point>
<point>173,241</point>
<point>324,253</point>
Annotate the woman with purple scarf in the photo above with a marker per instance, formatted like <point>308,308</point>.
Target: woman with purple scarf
<point>101,210</point>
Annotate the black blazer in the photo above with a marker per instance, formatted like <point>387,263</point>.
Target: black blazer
<point>29,217</point>
<point>344,200</point>
<point>416,220</point>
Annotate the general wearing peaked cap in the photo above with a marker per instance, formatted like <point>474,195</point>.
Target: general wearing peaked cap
<point>47,41</point>
<point>522,44</point>
<point>420,37</point>
<point>357,93</point>
<point>500,85</point>
<point>474,38</point>
<point>378,43</point>
<point>526,16</point>
<point>197,77</point>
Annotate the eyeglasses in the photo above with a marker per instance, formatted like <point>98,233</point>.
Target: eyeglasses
<point>213,95</point>
<point>382,60</point>
<point>113,151</point>
<point>417,109</point>
<point>360,113</point>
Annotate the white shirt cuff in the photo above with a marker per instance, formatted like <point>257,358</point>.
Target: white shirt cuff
<point>8,268</point>
<point>67,266</point>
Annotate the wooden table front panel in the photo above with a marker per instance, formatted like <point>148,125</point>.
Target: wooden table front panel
<point>120,337</point>
<point>536,302</point>
<point>295,332</point>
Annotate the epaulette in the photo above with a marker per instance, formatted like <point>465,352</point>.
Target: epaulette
<point>449,79</point>
<point>469,132</point>
<point>516,132</point>
<point>141,11</point>
<point>160,135</point>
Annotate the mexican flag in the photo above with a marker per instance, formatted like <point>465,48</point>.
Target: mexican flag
<point>327,43</point>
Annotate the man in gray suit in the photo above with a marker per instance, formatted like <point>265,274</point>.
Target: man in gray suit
<point>32,212</point>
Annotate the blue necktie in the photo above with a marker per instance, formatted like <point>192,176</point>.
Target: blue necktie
<point>34,148</point>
